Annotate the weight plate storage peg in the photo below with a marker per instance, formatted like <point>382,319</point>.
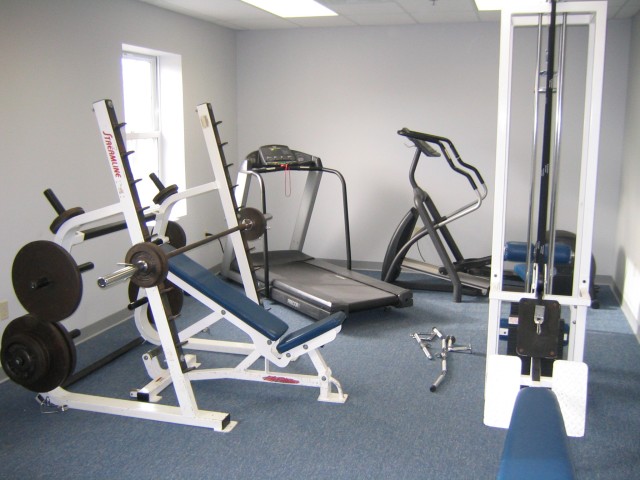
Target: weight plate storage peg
<point>37,354</point>
<point>47,280</point>
<point>175,296</point>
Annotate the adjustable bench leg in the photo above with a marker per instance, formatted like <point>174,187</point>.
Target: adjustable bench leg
<point>327,381</point>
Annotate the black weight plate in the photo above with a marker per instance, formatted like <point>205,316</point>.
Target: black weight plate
<point>47,280</point>
<point>155,260</point>
<point>71,347</point>
<point>174,294</point>
<point>63,217</point>
<point>175,234</point>
<point>165,193</point>
<point>256,220</point>
<point>35,354</point>
<point>23,357</point>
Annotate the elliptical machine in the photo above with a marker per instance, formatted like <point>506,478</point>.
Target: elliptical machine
<point>468,275</point>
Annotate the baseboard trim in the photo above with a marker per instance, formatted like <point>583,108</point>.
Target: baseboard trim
<point>634,323</point>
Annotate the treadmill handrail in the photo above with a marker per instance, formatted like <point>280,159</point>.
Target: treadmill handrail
<point>345,213</point>
<point>345,206</point>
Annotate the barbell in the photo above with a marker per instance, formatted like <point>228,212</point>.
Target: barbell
<point>147,263</point>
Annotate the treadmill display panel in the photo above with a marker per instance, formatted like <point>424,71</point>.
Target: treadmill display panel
<point>276,155</point>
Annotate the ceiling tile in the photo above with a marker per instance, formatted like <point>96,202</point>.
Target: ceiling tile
<point>241,16</point>
<point>383,19</point>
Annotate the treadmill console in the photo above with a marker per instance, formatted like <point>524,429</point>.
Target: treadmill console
<point>281,157</point>
<point>276,155</point>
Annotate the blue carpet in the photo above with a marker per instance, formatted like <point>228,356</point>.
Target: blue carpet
<point>391,427</point>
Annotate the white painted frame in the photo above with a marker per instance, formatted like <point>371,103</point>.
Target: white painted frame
<point>520,14</point>
<point>187,411</point>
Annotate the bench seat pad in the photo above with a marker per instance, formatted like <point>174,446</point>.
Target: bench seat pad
<point>536,446</point>
<point>310,332</point>
<point>227,297</point>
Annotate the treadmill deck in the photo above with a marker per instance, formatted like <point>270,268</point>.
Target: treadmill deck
<point>318,288</point>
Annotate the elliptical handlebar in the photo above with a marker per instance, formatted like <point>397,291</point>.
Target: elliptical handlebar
<point>422,140</point>
<point>427,137</point>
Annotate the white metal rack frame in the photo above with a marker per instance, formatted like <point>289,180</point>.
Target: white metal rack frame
<point>503,378</point>
<point>279,348</point>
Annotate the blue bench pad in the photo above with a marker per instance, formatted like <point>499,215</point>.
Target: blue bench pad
<point>311,331</point>
<point>227,297</point>
<point>536,445</point>
<point>517,252</point>
<point>249,312</point>
<point>521,271</point>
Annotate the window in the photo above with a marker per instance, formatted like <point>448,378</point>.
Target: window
<point>152,91</point>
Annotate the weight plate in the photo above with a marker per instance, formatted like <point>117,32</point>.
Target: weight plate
<point>35,354</point>
<point>153,263</point>
<point>47,280</point>
<point>174,294</point>
<point>175,234</point>
<point>71,347</point>
<point>256,221</point>
<point>165,193</point>
<point>63,217</point>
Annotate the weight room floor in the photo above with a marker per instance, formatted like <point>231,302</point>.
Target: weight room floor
<point>390,427</point>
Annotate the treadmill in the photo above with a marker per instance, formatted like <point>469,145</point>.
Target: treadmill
<point>311,286</point>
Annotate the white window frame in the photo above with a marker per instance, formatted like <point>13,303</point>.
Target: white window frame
<point>170,119</point>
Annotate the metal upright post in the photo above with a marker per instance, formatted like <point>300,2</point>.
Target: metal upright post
<point>229,205</point>
<point>499,388</point>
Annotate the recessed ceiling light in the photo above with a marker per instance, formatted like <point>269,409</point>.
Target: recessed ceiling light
<point>292,8</point>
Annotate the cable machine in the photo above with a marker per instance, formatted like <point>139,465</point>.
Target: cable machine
<point>535,327</point>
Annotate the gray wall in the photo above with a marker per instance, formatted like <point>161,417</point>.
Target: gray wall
<point>57,58</point>
<point>627,248</point>
<point>343,93</point>
<point>337,93</point>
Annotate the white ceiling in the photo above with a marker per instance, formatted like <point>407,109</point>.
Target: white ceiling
<point>241,16</point>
